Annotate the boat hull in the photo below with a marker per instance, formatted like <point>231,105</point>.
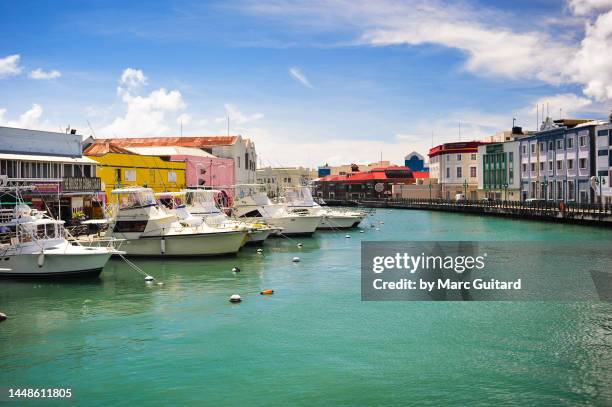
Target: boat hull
<point>296,225</point>
<point>338,222</point>
<point>202,244</point>
<point>258,236</point>
<point>54,265</point>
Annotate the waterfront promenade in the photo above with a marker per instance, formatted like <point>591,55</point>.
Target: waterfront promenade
<point>578,213</point>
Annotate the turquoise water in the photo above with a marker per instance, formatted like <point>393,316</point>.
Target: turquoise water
<point>117,341</point>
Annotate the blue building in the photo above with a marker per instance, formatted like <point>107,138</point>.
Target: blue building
<point>558,161</point>
<point>324,171</point>
<point>415,161</point>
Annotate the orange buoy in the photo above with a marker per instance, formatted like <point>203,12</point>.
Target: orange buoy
<point>267,292</point>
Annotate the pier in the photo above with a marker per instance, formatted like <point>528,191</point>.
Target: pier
<point>577,213</point>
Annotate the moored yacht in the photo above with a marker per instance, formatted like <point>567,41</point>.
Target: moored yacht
<point>257,206</point>
<point>150,230</point>
<point>299,200</point>
<point>35,245</point>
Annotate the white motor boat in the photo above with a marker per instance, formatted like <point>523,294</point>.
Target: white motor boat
<point>35,245</point>
<point>299,200</point>
<point>150,230</point>
<point>257,207</point>
<point>204,203</point>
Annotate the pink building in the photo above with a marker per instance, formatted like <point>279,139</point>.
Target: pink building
<point>202,169</point>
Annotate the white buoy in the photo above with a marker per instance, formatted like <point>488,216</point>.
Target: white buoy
<point>236,269</point>
<point>347,236</point>
<point>160,283</point>
<point>2,316</point>
<point>41,259</point>
<point>362,231</point>
<point>259,250</point>
<point>382,223</point>
<point>377,229</point>
<point>299,245</point>
<point>295,260</point>
<point>149,279</point>
<point>235,298</point>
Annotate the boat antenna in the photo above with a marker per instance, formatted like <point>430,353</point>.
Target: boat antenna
<point>92,130</point>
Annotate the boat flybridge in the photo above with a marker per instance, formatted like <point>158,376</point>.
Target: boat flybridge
<point>151,230</point>
<point>299,200</point>
<point>255,205</point>
<point>206,203</point>
<point>33,244</point>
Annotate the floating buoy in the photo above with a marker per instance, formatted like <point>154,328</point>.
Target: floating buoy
<point>267,292</point>
<point>362,231</point>
<point>149,279</point>
<point>259,250</point>
<point>235,298</point>
<point>236,269</point>
<point>348,236</point>
<point>2,316</point>
<point>382,223</point>
<point>162,244</point>
<point>299,245</point>
<point>41,259</point>
<point>160,283</point>
<point>295,259</point>
<point>377,229</point>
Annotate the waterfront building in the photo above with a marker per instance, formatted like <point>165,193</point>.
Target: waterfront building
<point>64,182</point>
<point>120,168</point>
<point>277,179</point>
<point>455,166</point>
<point>350,168</point>
<point>603,188</point>
<point>415,161</point>
<point>499,175</point>
<point>202,169</point>
<point>374,184</point>
<point>557,162</point>
<point>240,150</point>
<point>424,187</point>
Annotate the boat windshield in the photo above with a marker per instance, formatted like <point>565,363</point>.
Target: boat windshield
<point>140,198</point>
<point>206,200</point>
<point>298,196</point>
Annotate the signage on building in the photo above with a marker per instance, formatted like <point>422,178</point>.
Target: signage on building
<point>379,187</point>
<point>81,184</point>
<point>46,188</point>
<point>495,148</point>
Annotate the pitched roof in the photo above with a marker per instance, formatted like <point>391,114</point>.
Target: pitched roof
<point>199,141</point>
<point>170,151</point>
<point>102,147</point>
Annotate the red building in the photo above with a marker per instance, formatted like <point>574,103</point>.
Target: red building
<point>374,184</point>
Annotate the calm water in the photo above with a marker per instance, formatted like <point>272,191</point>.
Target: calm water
<point>116,341</point>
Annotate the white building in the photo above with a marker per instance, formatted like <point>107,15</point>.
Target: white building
<point>276,179</point>
<point>456,167</point>
<point>604,161</point>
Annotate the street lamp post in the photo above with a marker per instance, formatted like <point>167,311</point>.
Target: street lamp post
<point>600,181</point>
<point>505,186</point>
<point>430,189</point>
<point>465,186</point>
<point>545,188</point>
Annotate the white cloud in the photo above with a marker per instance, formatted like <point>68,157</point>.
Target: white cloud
<point>9,66</point>
<point>585,7</point>
<point>299,76</point>
<point>133,78</point>
<point>144,115</point>
<point>30,119</point>
<point>237,117</point>
<point>39,74</point>
<point>184,119</point>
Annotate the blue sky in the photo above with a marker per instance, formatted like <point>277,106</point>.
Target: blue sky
<point>310,82</point>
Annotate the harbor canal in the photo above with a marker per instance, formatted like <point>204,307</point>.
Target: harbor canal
<point>183,343</point>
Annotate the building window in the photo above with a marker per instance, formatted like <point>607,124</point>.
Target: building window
<point>447,158</point>
<point>510,175</point>
<point>602,152</point>
<point>559,190</point>
<point>541,165</point>
<point>473,172</point>
<point>559,165</point>
<point>473,158</point>
<point>551,146</point>
<point>570,164</point>
<point>533,148</point>
<point>583,141</point>
<point>570,190</point>
<point>447,172</point>
<point>510,156</point>
<point>550,166</point>
<point>130,175</point>
<point>171,176</point>
<point>532,167</point>
<point>67,170</point>
<point>603,133</point>
<point>559,144</point>
<point>458,157</point>
<point>570,142</point>
<point>524,168</point>
<point>524,149</point>
<point>459,175</point>
<point>583,163</point>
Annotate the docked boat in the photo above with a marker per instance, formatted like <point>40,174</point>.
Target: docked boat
<point>150,230</point>
<point>33,244</point>
<point>205,204</point>
<point>299,200</point>
<point>257,207</point>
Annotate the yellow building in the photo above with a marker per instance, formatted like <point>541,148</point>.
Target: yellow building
<point>119,168</point>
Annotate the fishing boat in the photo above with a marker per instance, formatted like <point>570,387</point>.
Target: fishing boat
<point>151,230</point>
<point>206,203</point>
<point>33,244</point>
<point>299,200</point>
<point>257,207</point>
